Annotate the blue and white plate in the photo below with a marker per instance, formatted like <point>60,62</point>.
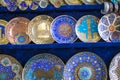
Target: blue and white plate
<point>10,68</point>
<point>114,70</point>
<point>22,5</point>
<point>109,27</point>
<point>85,66</point>
<point>87,29</point>
<point>43,67</point>
<point>63,29</point>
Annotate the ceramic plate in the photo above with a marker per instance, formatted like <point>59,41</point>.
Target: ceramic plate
<point>109,27</point>
<point>10,68</point>
<point>89,1</point>
<point>63,29</point>
<point>73,2</point>
<point>39,29</point>
<point>43,3</point>
<point>33,5</point>
<point>100,1</point>
<point>115,1</point>
<point>16,31</point>
<point>22,5</point>
<point>87,29</point>
<point>57,3</point>
<point>114,70</point>
<point>43,67</point>
<point>3,39</point>
<point>85,66</point>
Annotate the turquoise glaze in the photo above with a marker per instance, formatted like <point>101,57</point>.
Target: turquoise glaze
<point>87,29</point>
<point>83,27</point>
<point>85,73</point>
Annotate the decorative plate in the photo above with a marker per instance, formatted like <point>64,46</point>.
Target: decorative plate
<point>16,31</point>
<point>39,29</point>
<point>63,29</point>
<point>114,70</point>
<point>33,5</point>
<point>57,3</point>
<point>11,7</point>
<point>2,3</point>
<point>89,1</point>
<point>87,29</point>
<point>73,2</point>
<point>109,27</point>
<point>85,66</point>
<point>43,67</point>
<point>3,39</point>
<point>115,1</point>
<point>10,68</point>
<point>43,3</point>
<point>22,5</point>
<point>100,1</point>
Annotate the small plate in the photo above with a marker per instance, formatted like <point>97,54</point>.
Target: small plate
<point>10,68</point>
<point>3,39</point>
<point>100,1</point>
<point>114,70</point>
<point>87,29</point>
<point>57,3</point>
<point>22,5</point>
<point>39,29</point>
<point>89,1</point>
<point>109,27</point>
<point>63,29</point>
<point>43,3</point>
<point>43,67</point>
<point>85,66</point>
<point>115,1</point>
<point>73,2</point>
<point>16,31</point>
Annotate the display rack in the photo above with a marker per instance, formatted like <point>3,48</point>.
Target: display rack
<point>23,53</point>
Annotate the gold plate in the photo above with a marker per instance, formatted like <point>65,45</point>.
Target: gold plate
<point>3,39</point>
<point>16,31</point>
<point>73,2</point>
<point>39,29</point>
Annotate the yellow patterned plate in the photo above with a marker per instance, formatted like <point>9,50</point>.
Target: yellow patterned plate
<point>3,39</point>
<point>39,29</point>
<point>10,68</point>
<point>73,2</point>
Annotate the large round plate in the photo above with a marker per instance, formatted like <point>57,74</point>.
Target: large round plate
<point>109,27</point>
<point>114,70</point>
<point>43,67</point>
<point>39,29</point>
<point>3,39</point>
<point>85,66</point>
<point>63,29</point>
<point>10,68</point>
<point>73,2</point>
<point>16,31</point>
<point>87,29</point>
